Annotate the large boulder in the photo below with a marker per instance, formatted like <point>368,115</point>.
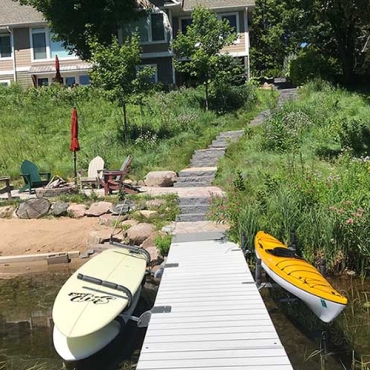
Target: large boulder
<point>160,178</point>
<point>99,208</point>
<point>33,208</point>
<point>76,210</point>
<point>139,233</point>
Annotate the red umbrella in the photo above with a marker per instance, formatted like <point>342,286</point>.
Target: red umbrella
<point>75,146</point>
<point>58,77</point>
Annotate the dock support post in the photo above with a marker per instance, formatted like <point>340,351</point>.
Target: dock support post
<point>258,272</point>
<point>322,267</point>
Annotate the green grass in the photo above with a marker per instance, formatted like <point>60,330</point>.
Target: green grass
<point>306,168</point>
<point>163,133</point>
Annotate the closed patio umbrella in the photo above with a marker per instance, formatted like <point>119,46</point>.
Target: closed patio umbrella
<point>75,146</point>
<point>58,77</point>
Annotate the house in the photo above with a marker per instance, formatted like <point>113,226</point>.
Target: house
<point>27,48</point>
<point>173,16</point>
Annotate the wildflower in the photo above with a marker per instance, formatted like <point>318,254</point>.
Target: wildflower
<point>360,210</point>
<point>341,211</point>
<point>349,221</point>
<point>332,208</point>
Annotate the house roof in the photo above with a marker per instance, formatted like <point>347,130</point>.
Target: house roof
<point>216,4</point>
<point>46,69</point>
<point>14,14</point>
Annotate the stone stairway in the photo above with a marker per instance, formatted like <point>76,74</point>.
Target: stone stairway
<point>202,171</point>
<point>203,166</point>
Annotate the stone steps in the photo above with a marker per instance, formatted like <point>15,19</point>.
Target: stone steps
<point>194,179</point>
<point>198,171</point>
<point>191,218</point>
<point>189,201</point>
<point>191,185</point>
<point>195,209</point>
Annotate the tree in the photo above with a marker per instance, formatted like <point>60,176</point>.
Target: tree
<point>116,70</point>
<point>75,21</point>
<point>198,51</point>
<point>337,28</point>
<point>276,33</point>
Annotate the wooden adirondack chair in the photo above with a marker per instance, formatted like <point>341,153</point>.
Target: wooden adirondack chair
<point>113,179</point>
<point>32,177</point>
<point>94,173</point>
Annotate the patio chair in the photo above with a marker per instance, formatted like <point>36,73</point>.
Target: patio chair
<point>113,179</point>
<point>32,177</point>
<point>94,173</point>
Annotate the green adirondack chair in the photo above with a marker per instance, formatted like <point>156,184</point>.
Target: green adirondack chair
<point>32,176</point>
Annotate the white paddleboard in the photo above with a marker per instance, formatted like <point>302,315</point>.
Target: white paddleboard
<point>74,349</point>
<point>83,307</point>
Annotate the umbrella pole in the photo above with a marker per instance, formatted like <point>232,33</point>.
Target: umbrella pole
<point>75,166</point>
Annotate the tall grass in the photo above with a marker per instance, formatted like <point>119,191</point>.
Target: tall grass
<point>308,168</point>
<point>163,133</point>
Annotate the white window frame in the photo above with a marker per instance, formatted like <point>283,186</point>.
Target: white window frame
<point>181,19</point>
<point>220,15</point>
<point>11,46</point>
<point>149,33</point>
<point>48,58</point>
<point>7,82</point>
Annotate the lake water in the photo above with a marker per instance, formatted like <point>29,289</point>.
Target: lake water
<point>26,328</point>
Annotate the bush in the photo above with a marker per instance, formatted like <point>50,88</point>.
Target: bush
<point>310,64</point>
<point>227,98</point>
<point>163,244</point>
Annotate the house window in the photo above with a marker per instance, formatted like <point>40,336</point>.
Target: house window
<point>150,29</point>
<point>42,82</point>
<point>56,48</point>
<point>185,22</point>
<point>39,43</point>
<point>5,46</point>
<point>45,47</point>
<point>154,77</point>
<point>157,27</point>
<point>233,21</point>
<point>85,80</point>
<point>70,81</point>
<point>4,83</point>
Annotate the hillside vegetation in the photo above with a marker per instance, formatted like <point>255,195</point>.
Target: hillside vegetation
<point>306,168</point>
<point>163,133</point>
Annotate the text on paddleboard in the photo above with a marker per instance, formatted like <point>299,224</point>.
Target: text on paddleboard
<point>88,297</point>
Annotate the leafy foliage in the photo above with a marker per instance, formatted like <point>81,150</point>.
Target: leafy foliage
<point>309,64</point>
<point>289,184</point>
<point>198,51</point>
<point>115,70</point>
<point>163,244</point>
<point>275,35</point>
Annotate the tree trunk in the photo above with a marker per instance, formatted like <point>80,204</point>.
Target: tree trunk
<point>207,94</point>
<point>124,123</point>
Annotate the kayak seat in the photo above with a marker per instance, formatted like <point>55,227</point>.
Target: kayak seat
<point>282,252</point>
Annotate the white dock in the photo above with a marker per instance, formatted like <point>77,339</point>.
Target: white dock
<point>209,315</point>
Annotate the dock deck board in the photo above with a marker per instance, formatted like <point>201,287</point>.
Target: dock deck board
<point>217,319</point>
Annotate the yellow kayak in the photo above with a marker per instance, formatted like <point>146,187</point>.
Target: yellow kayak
<point>298,277</point>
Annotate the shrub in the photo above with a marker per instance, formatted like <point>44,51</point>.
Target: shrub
<point>227,98</point>
<point>310,64</point>
<point>163,244</point>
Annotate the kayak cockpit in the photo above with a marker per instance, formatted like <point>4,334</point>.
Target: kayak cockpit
<point>283,252</point>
